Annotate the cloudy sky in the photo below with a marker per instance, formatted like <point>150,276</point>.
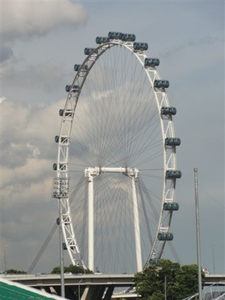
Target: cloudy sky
<point>39,43</point>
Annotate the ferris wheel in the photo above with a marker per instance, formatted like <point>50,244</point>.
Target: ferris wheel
<point>116,164</point>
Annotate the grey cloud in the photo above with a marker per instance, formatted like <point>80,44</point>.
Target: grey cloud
<point>34,18</point>
<point>5,53</point>
<point>46,76</point>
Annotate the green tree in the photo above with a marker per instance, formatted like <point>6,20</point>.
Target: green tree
<point>187,281</point>
<point>180,281</point>
<point>72,269</point>
<point>56,270</point>
<point>13,271</point>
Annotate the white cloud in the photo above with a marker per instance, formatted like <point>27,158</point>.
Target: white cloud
<point>25,19</point>
<point>24,137</point>
<point>2,99</point>
<point>27,153</point>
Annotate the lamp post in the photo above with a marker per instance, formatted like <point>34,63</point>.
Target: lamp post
<point>165,287</point>
<point>198,235</point>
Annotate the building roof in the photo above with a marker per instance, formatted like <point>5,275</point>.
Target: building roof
<point>11,290</point>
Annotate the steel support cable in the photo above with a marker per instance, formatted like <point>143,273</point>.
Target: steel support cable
<point>42,249</point>
<point>145,212</point>
<point>132,140</point>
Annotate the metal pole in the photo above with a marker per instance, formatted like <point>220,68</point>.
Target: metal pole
<point>5,258</point>
<point>61,251</point>
<point>214,269</point>
<point>165,287</point>
<point>198,235</point>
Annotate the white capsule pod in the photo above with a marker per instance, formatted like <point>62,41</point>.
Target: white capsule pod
<point>168,111</point>
<point>128,37</point>
<point>165,236</point>
<point>173,174</point>
<point>68,112</point>
<point>101,40</point>
<point>151,62</point>
<point>76,67</point>
<point>161,84</point>
<point>115,35</point>
<point>140,46</point>
<point>88,51</point>
<point>64,139</point>
<point>60,167</point>
<point>67,88</point>
<point>172,141</point>
<point>170,206</point>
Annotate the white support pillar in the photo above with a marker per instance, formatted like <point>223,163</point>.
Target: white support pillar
<point>136,226</point>
<point>90,173</point>
<point>90,222</point>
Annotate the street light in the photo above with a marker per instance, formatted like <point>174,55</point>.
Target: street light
<point>198,234</point>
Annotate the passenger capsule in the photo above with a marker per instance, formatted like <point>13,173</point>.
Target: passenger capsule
<point>128,37</point>
<point>61,167</point>
<point>172,141</point>
<point>165,236</point>
<point>152,261</point>
<point>67,88</point>
<point>140,46</point>
<point>161,84</point>
<point>88,51</point>
<point>101,40</point>
<point>64,246</point>
<point>171,206</point>
<point>115,35</point>
<point>76,67</point>
<point>151,62</point>
<point>68,113</point>
<point>64,139</point>
<point>58,221</point>
<point>171,111</point>
<point>172,174</point>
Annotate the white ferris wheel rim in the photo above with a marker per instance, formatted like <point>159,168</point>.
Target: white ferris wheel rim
<point>169,158</point>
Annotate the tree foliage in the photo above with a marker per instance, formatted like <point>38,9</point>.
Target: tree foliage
<point>166,277</point>
<point>71,269</point>
<point>13,271</point>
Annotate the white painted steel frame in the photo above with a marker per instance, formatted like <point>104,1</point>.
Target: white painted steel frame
<point>169,157</point>
<point>133,174</point>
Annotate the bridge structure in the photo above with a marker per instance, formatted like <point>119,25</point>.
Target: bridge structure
<point>93,286</point>
<point>96,287</point>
